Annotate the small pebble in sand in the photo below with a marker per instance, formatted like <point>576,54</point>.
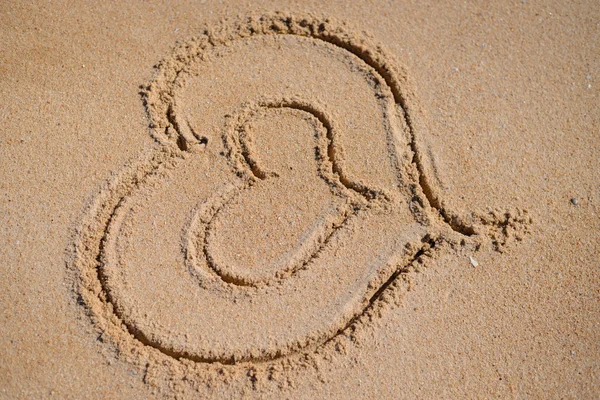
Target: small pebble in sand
<point>473,262</point>
<point>574,201</point>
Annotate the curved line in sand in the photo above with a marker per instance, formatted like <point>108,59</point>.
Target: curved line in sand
<point>375,58</point>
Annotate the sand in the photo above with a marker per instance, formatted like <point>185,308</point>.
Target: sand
<point>335,200</point>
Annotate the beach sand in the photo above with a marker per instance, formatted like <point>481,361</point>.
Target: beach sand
<point>282,200</point>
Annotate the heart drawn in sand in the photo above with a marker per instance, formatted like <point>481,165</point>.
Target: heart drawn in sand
<point>286,192</point>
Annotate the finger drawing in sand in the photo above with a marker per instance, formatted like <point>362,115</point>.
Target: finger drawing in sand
<point>259,224</point>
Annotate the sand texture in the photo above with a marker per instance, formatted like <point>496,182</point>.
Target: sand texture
<point>281,200</point>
